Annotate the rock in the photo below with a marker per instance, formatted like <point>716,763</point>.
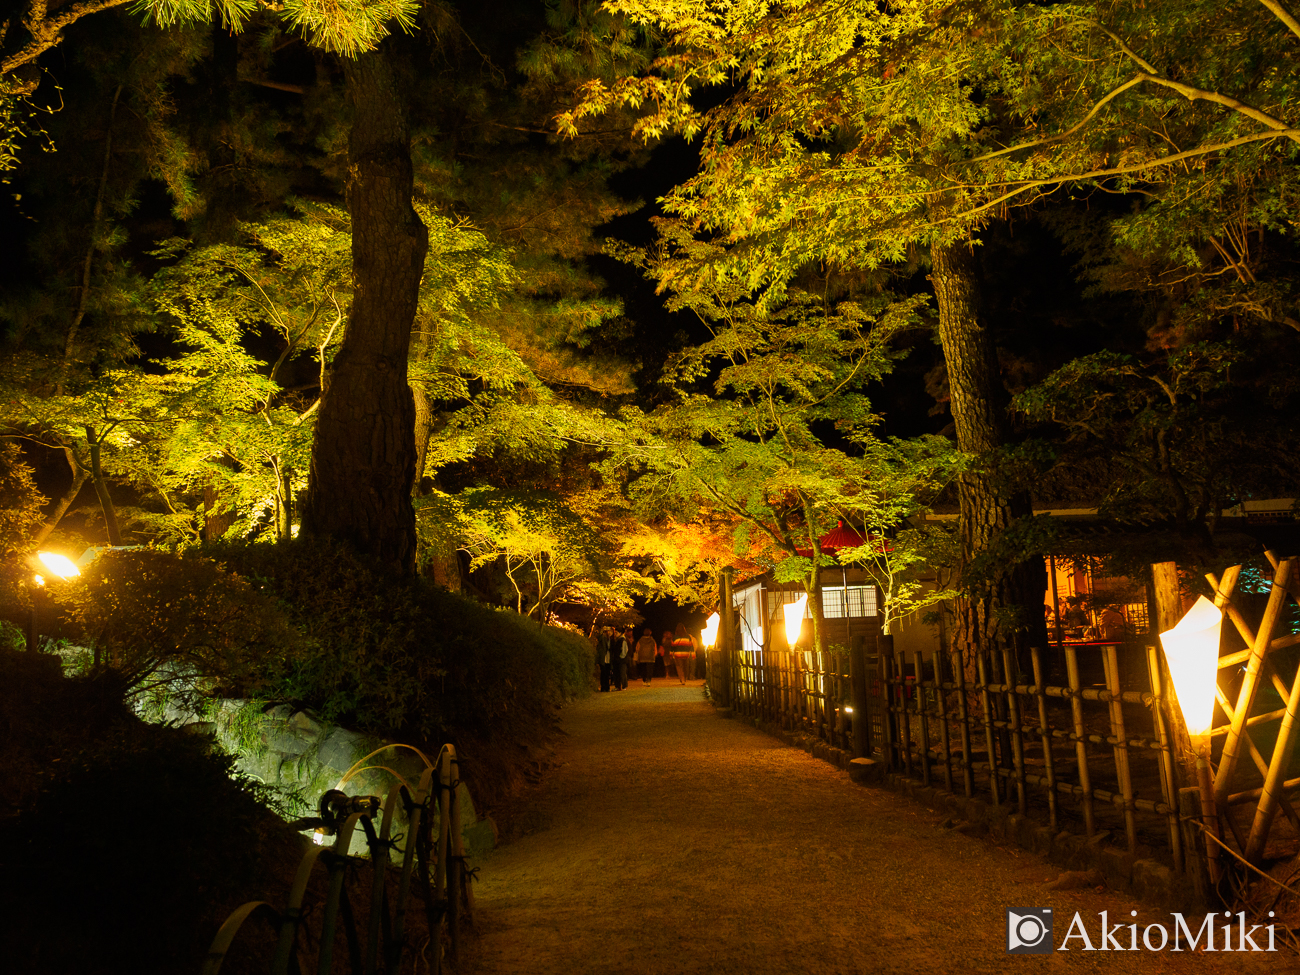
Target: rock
<point>284,740</point>
<point>866,771</point>
<point>1076,880</point>
<point>340,750</point>
<point>480,838</point>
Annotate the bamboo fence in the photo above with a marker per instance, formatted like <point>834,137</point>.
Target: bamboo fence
<point>433,864</point>
<point>1084,738</point>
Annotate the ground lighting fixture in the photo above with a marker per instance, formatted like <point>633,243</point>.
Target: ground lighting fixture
<point>59,565</point>
<point>56,565</point>
<point>794,619</point>
<point>1192,652</point>
<point>709,635</point>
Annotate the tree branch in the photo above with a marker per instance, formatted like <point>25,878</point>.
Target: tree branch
<point>1192,93</point>
<point>48,31</point>
<point>1063,135</point>
<point>1284,15</point>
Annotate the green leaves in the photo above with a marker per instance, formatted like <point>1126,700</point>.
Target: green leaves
<point>344,27</point>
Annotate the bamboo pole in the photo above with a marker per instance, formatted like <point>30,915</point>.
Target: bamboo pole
<point>861,724</point>
<point>1017,735</point>
<point>963,716</point>
<point>1189,814</point>
<point>1273,791</point>
<point>904,715</point>
<point>1249,685</point>
<point>887,715</point>
<point>727,634</point>
<point>1169,610</point>
<point>1049,767</point>
<point>1122,771</point>
<point>922,715</point>
<point>1168,783</point>
<point>1080,744</point>
<point>995,787</point>
<point>941,703</point>
<point>1209,815</point>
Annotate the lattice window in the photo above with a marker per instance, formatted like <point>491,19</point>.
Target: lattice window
<point>1136,614</point>
<point>862,602</point>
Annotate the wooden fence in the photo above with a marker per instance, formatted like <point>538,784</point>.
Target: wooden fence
<point>1084,738</point>
<point>991,728</point>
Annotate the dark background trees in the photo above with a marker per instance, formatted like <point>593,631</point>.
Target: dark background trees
<point>1094,203</point>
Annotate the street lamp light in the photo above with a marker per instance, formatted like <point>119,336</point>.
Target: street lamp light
<point>57,565</point>
<point>1192,652</point>
<point>794,619</point>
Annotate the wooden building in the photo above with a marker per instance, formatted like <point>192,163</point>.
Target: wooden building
<point>849,605</point>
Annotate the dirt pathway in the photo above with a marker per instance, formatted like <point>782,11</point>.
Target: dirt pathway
<point>672,840</point>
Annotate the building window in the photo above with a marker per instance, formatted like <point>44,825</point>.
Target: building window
<point>1136,616</point>
<point>779,597</point>
<point>862,602</point>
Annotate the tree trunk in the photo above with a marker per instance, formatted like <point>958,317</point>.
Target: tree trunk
<point>101,490</point>
<point>995,589</point>
<point>423,431</point>
<point>79,477</point>
<point>363,457</point>
<point>215,522</point>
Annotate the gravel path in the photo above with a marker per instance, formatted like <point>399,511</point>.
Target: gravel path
<point>672,840</point>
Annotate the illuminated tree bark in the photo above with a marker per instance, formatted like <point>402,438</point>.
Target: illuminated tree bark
<point>363,456</point>
<point>988,504</point>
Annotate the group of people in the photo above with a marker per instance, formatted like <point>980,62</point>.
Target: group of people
<point>617,651</point>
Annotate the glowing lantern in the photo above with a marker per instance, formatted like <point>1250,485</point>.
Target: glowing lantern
<point>794,619</point>
<point>710,635</point>
<point>1192,649</point>
<point>60,565</point>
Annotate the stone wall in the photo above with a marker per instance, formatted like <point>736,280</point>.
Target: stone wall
<point>301,758</point>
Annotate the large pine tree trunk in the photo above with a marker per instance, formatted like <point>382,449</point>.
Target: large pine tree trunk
<point>997,589</point>
<point>363,457</point>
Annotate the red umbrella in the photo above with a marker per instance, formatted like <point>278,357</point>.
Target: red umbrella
<point>841,536</point>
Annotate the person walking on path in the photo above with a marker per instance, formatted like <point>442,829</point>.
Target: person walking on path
<point>683,650</point>
<point>666,648</point>
<point>600,641</point>
<point>646,650</point>
<point>618,654</point>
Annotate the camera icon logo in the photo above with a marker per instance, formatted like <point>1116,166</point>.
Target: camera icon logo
<point>1029,930</point>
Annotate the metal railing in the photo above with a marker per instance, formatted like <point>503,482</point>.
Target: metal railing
<point>435,866</point>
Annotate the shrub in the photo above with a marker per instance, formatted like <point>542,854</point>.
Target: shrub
<point>133,831</point>
<point>157,618</point>
<point>389,656</point>
<point>314,625</point>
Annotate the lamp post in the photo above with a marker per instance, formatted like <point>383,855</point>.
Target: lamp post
<point>55,564</point>
<point>1192,653</point>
